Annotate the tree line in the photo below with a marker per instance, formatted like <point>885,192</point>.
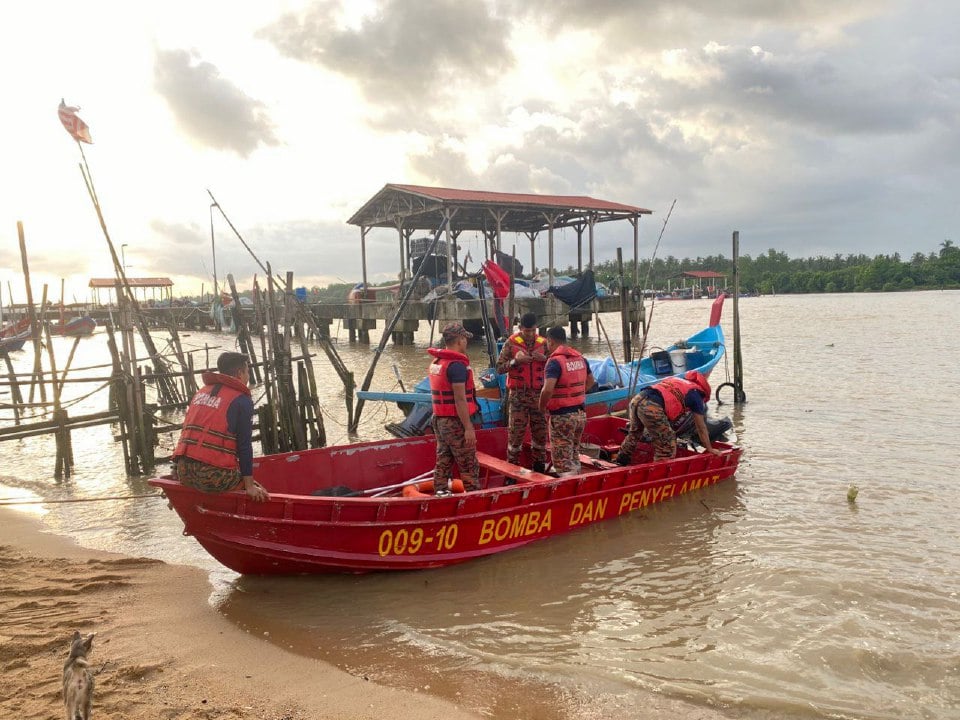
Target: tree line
<point>776,272</point>
<point>771,272</point>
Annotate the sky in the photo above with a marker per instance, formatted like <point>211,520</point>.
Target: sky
<point>810,126</point>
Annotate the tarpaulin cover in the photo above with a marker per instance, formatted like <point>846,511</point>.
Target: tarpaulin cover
<point>579,292</point>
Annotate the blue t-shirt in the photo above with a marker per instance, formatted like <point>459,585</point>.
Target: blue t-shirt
<point>457,372</point>
<point>240,423</point>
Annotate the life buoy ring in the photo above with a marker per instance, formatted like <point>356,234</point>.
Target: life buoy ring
<point>739,396</point>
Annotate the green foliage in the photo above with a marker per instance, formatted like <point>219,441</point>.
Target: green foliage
<point>776,272</point>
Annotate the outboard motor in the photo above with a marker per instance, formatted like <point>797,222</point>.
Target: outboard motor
<point>717,429</point>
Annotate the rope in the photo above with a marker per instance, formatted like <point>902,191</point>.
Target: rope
<point>15,501</point>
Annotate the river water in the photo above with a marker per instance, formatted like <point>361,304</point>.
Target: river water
<point>770,596</point>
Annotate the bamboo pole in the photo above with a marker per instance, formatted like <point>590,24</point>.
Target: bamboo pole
<point>388,328</point>
<point>32,314</point>
<point>15,397</point>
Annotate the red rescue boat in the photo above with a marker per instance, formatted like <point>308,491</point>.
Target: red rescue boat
<point>378,527</point>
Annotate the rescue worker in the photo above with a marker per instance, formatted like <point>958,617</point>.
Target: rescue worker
<point>215,449</point>
<point>658,409</point>
<point>454,401</point>
<point>567,378</point>
<point>523,358</point>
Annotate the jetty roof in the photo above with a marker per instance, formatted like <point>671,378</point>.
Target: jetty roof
<point>154,282</point>
<point>702,274</point>
<point>422,208</point>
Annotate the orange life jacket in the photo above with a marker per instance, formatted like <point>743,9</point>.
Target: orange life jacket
<point>440,387</point>
<point>206,436</point>
<point>571,386</point>
<point>674,390</point>
<point>527,375</point>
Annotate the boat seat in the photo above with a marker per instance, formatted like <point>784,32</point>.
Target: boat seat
<point>508,469</point>
<point>596,463</point>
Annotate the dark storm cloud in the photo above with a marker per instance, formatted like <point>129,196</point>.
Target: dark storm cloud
<point>208,107</point>
<point>840,94</point>
<point>405,56</point>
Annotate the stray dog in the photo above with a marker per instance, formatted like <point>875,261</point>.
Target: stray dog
<point>78,679</point>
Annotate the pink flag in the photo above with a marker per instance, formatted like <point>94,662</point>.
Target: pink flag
<point>75,126</point>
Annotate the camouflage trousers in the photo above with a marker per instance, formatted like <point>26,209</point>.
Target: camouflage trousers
<point>525,410</point>
<point>565,433</point>
<point>452,448</point>
<point>205,478</point>
<point>647,415</point>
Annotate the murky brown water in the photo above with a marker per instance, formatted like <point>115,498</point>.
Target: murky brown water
<point>769,596</point>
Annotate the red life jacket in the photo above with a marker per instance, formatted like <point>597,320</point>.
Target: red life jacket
<point>205,436</point>
<point>674,390</point>
<point>571,386</point>
<point>440,387</point>
<point>527,375</point>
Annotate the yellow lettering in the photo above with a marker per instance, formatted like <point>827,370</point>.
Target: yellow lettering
<point>576,515</point>
<point>486,532</point>
<point>624,504</point>
<point>601,508</point>
<point>518,525</point>
<point>531,525</point>
<point>502,529</point>
<point>545,524</point>
<point>684,488</point>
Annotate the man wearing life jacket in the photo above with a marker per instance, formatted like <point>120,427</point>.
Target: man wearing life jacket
<point>215,450</point>
<point>658,409</point>
<point>567,378</point>
<point>523,358</point>
<point>454,401</point>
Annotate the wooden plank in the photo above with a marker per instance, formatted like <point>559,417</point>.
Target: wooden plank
<point>508,469</point>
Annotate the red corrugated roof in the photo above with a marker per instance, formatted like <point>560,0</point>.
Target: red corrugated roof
<point>132,282</point>
<point>499,198</point>
<point>703,274</point>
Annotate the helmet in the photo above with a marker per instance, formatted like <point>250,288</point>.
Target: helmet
<point>698,379</point>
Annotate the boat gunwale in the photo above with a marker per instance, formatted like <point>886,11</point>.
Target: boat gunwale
<point>729,457</point>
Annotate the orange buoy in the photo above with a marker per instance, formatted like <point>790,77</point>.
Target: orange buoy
<point>411,491</point>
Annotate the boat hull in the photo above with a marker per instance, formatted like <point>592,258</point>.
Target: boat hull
<point>298,533</point>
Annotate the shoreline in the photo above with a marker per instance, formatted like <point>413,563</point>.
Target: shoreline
<point>160,647</point>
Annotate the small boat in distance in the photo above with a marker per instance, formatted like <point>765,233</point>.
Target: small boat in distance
<point>12,343</point>
<point>361,508</point>
<point>74,327</point>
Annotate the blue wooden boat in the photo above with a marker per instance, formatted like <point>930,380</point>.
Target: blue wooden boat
<point>12,343</point>
<point>701,351</point>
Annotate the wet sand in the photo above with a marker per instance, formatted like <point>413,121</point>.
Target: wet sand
<point>160,649</point>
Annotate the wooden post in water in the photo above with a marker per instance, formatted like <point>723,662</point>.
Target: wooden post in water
<point>624,310</point>
<point>738,394</point>
<point>32,313</point>
<point>16,399</point>
<point>64,455</point>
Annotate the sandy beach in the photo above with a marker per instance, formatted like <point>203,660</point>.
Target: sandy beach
<point>160,649</point>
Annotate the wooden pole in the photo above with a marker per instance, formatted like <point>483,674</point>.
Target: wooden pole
<point>388,328</point>
<point>739,396</point>
<point>32,313</point>
<point>624,310</point>
<point>16,399</point>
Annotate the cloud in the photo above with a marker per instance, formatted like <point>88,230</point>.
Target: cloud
<point>209,108</point>
<point>405,56</point>
<point>317,252</point>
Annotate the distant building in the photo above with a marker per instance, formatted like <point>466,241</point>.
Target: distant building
<point>141,287</point>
